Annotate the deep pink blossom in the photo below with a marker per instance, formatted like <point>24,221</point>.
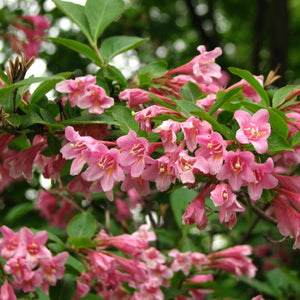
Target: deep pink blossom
<point>264,179</point>
<point>195,213</point>
<point>135,96</point>
<point>135,152</point>
<point>32,246</point>
<point>237,169</point>
<point>167,131</point>
<point>223,196</point>
<point>213,149</point>
<point>17,267</point>
<point>193,127</point>
<point>30,282</point>
<point>140,184</point>
<point>253,129</point>
<point>291,183</point>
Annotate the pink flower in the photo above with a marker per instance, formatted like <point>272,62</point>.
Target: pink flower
<point>223,196</point>
<point>263,179</point>
<point>234,260</point>
<point>193,127</point>
<point>187,165</point>
<point>237,168</point>
<point>198,260</point>
<point>123,212</point>
<point>248,90</point>
<point>77,88</point>
<point>213,149</point>
<point>103,167</point>
<point>75,149</point>
<point>167,131</point>
<point>149,291</point>
<point>17,267</point>
<point>254,130</point>
<point>135,96</point>
<point>195,213</point>
<point>135,153</point>
<point>32,246</point>
<point>52,269</point>
<point>30,282</point>
<point>291,183</point>
<point>10,242</point>
<point>181,261</point>
<point>95,100</point>
<point>145,116</point>
<point>152,257</point>
<point>145,233</point>
<point>7,291</point>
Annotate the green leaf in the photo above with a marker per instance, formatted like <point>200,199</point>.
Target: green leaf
<point>123,115</point>
<point>296,139</point>
<point>115,45</point>
<point>78,47</point>
<point>190,92</point>
<point>54,146</point>
<point>277,143</point>
<point>114,74</point>
<point>281,94</point>
<point>157,68</point>
<point>100,13</point>
<point>82,226</point>
<point>160,101</point>
<point>74,263</point>
<point>4,78</point>
<point>224,98</point>
<point>77,14</point>
<point>65,289</point>
<point>252,107</point>
<point>180,200</point>
<point>18,211</point>
<point>187,107</point>
<point>91,119</point>
<point>277,122</point>
<point>83,242</point>
<point>253,82</point>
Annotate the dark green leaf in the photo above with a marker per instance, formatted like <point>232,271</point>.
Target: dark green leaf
<point>123,115</point>
<point>18,212</point>
<point>4,78</point>
<point>115,45</point>
<point>54,145</point>
<point>252,107</point>
<point>100,13</point>
<point>79,47</point>
<point>253,82</point>
<point>160,101</point>
<point>77,14</point>
<point>281,94</point>
<point>74,263</point>
<point>224,98</point>
<point>47,116</point>
<point>187,107</point>
<point>113,74</point>
<point>277,122</point>
<point>82,226</point>
<point>277,143</point>
<point>65,289</point>
<point>190,92</point>
<point>225,117</point>
<point>83,242</point>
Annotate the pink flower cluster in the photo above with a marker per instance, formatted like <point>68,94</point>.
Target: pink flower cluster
<point>84,93</point>
<point>29,261</point>
<point>33,28</point>
<point>148,269</point>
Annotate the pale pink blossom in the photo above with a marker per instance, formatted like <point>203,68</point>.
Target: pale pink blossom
<point>195,213</point>
<point>145,233</point>
<point>258,297</point>
<point>198,260</point>
<point>77,88</point>
<point>95,100</point>
<point>199,294</point>
<point>140,184</point>
<point>17,267</point>
<point>123,212</point>
<point>207,102</point>
<point>193,127</point>
<point>7,291</point>
<point>149,291</point>
<point>161,273</point>
<point>152,257</point>
<point>75,149</point>
<point>223,196</point>
<point>167,131</point>
<point>10,242</point>
<point>264,179</point>
<point>181,261</point>
<point>30,282</point>
<point>237,169</point>
<point>253,129</point>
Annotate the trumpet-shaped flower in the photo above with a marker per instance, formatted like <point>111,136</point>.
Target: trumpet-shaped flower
<point>237,168</point>
<point>253,129</point>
